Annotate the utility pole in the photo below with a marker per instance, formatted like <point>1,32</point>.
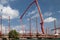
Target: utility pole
<point>55,26</point>
<point>1,25</point>
<point>22,27</point>
<point>30,28</point>
<point>9,23</point>
<point>36,28</point>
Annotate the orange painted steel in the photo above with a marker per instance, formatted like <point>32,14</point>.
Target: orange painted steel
<point>55,26</point>
<point>22,26</point>
<point>30,29</point>
<point>41,17</point>
<point>1,25</point>
<point>9,23</point>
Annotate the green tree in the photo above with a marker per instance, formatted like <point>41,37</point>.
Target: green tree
<point>13,34</point>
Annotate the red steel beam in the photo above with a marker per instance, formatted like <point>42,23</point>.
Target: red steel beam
<point>26,10</point>
<point>36,26</point>
<point>30,28</point>
<point>55,26</point>
<point>9,23</point>
<point>22,27</point>
<point>1,24</point>
<point>41,17</point>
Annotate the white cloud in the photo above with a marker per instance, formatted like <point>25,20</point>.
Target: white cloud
<point>28,19</point>
<point>5,1</point>
<point>47,13</point>
<point>4,29</point>
<point>12,0</point>
<point>19,28</point>
<point>50,19</point>
<point>58,11</point>
<point>37,15</point>
<point>21,31</point>
<point>32,12</point>
<point>8,11</point>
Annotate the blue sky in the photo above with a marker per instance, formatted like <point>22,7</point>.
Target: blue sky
<point>14,8</point>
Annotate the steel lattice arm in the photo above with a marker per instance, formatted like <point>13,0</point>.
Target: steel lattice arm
<point>26,10</point>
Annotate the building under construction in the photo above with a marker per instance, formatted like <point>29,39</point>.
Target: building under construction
<point>37,34</point>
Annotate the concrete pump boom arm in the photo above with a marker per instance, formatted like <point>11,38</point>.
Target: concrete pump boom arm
<point>26,10</point>
<point>41,17</point>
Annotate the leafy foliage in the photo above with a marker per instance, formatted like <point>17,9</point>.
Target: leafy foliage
<point>13,34</point>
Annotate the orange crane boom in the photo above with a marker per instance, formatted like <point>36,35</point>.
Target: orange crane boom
<point>41,17</point>
<point>26,10</point>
